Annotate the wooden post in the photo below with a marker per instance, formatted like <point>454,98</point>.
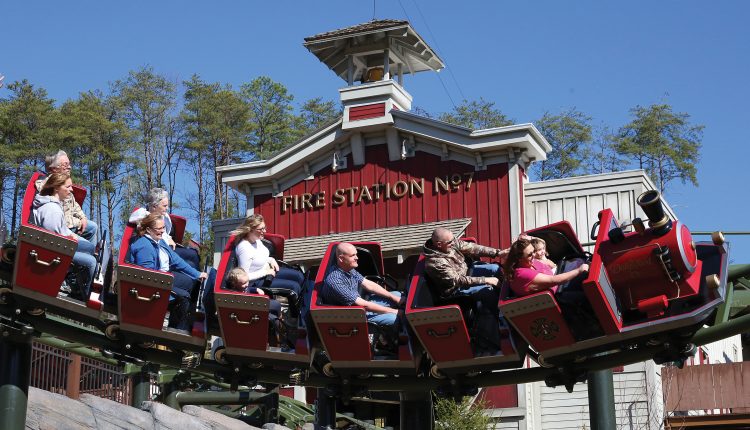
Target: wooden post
<point>73,382</point>
<point>350,70</point>
<point>386,65</point>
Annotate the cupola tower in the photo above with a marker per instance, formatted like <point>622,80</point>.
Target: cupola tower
<point>373,58</point>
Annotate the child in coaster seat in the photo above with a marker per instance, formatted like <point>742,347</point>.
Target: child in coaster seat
<point>541,263</point>
<point>238,280</point>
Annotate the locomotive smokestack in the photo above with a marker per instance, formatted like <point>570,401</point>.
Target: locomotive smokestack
<point>651,203</point>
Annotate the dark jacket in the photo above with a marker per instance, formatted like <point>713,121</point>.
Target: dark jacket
<point>449,271</point>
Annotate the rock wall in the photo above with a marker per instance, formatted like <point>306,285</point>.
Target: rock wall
<point>49,411</point>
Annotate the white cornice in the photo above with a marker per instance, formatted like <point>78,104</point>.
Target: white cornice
<point>524,136</point>
<point>490,146</point>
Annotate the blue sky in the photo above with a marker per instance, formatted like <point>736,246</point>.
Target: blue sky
<point>529,57</point>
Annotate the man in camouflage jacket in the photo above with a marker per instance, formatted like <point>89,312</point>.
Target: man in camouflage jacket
<point>75,219</point>
<point>445,264</point>
<point>446,268</point>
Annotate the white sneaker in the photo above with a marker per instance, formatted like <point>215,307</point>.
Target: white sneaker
<point>65,288</point>
<point>166,320</point>
<point>100,279</point>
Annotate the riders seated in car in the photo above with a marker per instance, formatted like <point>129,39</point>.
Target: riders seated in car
<point>48,214</point>
<point>150,251</point>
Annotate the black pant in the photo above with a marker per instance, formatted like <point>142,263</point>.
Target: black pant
<point>182,290</point>
<point>190,256</point>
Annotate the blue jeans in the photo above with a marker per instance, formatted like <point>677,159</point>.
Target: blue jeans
<point>383,319</point>
<point>485,296</point>
<point>83,258</point>
<point>85,245</point>
<point>90,231</point>
<point>485,269</point>
<point>481,269</point>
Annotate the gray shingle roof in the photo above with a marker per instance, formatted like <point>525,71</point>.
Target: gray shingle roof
<point>392,239</point>
<point>359,28</point>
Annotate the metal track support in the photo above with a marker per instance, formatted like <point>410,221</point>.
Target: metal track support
<point>601,400</point>
<point>325,409</point>
<point>15,362</point>
<point>416,410</point>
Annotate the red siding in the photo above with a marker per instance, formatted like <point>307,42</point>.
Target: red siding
<point>504,396</point>
<point>286,391</point>
<point>366,111</point>
<point>486,202</point>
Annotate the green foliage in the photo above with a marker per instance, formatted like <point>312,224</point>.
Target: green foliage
<point>476,115</point>
<point>569,133</point>
<point>97,139</point>
<point>314,114</point>
<point>602,155</point>
<point>662,142</point>
<point>271,117</point>
<point>218,128</point>
<point>27,127</point>
<point>145,101</point>
<point>464,415</point>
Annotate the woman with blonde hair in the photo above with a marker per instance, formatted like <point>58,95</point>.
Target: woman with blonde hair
<point>256,259</point>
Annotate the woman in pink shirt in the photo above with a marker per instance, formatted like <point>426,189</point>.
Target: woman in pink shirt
<point>524,278</point>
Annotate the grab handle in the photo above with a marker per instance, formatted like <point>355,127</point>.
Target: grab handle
<point>448,333</point>
<point>134,292</point>
<point>254,319</point>
<point>33,254</point>
<point>333,332</point>
<point>594,231</point>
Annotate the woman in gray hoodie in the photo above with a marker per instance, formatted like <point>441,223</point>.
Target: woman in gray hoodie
<point>48,214</point>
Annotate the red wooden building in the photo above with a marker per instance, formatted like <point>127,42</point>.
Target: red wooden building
<point>383,173</point>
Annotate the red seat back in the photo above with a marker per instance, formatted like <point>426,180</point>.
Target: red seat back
<point>225,265</point>
<point>277,242</point>
<point>28,198</point>
<point>127,235</point>
<point>178,227</point>
<point>79,193</point>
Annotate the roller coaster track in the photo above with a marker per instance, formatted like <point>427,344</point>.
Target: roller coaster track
<point>80,339</point>
<point>18,326</point>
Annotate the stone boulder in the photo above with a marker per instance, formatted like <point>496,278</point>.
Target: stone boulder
<point>50,411</point>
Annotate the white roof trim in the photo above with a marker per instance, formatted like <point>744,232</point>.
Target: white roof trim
<point>525,135</point>
<point>315,148</point>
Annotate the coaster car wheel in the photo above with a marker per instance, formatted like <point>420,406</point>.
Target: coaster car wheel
<point>436,373</point>
<point>8,254</point>
<point>329,371</point>
<point>322,364</point>
<point>35,311</point>
<point>112,331</point>
<point>5,295</point>
<point>220,355</point>
<point>543,362</point>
